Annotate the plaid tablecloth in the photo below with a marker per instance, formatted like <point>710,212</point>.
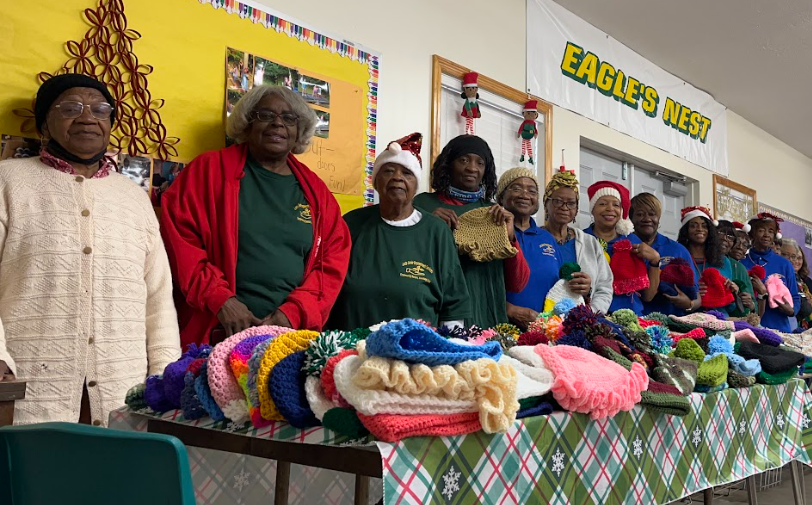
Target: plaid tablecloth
<point>634,457</point>
<point>225,478</point>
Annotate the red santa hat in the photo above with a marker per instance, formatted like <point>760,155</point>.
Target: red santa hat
<point>609,188</point>
<point>405,152</point>
<point>766,216</point>
<point>531,106</point>
<point>741,226</point>
<point>470,80</point>
<point>689,213</point>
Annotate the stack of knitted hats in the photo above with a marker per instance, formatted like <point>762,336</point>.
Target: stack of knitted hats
<point>777,365</point>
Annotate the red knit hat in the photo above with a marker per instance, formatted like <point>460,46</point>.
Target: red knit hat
<point>717,295</point>
<point>678,271</point>
<point>609,188</point>
<point>629,270</point>
<point>766,216</point>
<point>758,272</point>
<point>689,213</point>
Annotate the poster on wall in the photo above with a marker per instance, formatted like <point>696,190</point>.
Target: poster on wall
<point>793,227</point>
<point>578,67</point>
<point>733,201</point>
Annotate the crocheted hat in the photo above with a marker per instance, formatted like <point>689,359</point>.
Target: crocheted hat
<point>588,383</point>
<point>539,409</point>
<point>531,381</point>
<point>175,372</point>
<point>665,399</point>
<point>224,387</point>
<point>702,320</point>
<point>393,428</point>
<point>316,399</point>
<point>238,360</point>
<point>287,389</point>
<point>510,176</point>
<point>189,401</point>
<point>608,188</point>
<point>680,373</point>
<point>404,152</point>
<point>629,271</point>
<point>742,366</point>
<point>204,394</point>
<point>154,394</point>
<point>135,397</point>
<point>482,239</point>
<point>687,348</point>
<point>327,345</point>
<point>710,389</point>
<point>695,334</point>
<point>345,422</point>
<point>763,335</point>
<point>777,291</point>
<point>745,335</point>
<point>560,290</point>
<point>758,272</point>
<point>678,272</point>
<point>712,372</point>
<point>253,372</point>
<point>283,345</point>
<point>411,341</point>
<point>777,378</point>
<point>328,383</point>
<point>737,380</point>
<point>774,360</point>
<point>717,295</point>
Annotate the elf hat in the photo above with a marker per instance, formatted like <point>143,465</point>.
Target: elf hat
<point>742,226</point>
<point>689,213</point>
<point>470,80</point>
<point>609,188</point>
<point>531,106</point>
<point>766,216</point>
<point>717,295</point>
<point>629,271</point>
<point>404,152</point>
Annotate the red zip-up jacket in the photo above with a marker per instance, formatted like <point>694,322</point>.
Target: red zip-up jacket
<point>200,223</point>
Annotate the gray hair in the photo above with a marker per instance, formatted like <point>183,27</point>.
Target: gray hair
<point>240,119</point>
<point>794,243</point>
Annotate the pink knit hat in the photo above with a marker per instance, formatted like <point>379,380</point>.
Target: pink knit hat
<point>704,320</point>
<point>224,387</point>
<point>393,428</point>
<point>588,383</point>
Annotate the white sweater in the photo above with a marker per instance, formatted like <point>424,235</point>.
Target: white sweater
<point>592,260</point>
<point>82,297</point>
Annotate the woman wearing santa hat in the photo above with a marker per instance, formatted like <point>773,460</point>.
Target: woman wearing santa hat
<point>764,230</point>
<point>403,262</point>
<point>609,204</point>
<point>728,240</point>
<point>742,245</point>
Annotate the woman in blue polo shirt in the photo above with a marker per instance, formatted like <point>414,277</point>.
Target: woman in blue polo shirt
<point>609,204</point>
<point>518,192</point>
<point>645,214</point>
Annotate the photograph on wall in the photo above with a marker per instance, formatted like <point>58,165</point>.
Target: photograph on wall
<point>137,168</point>
<point>808,238</point>
<point>274,74</point>
<point>733,201</point>
<point>239,70</point>
<point>315,91</point>
<point>323,126</point>
<point>13,146</point>
<point>163,175</point>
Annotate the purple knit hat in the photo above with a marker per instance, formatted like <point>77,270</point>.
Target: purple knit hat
<point>154,394</point>
<point>175,372</point>
<point>763,335</point>
<point>224,387</point>
<point>189,401</point>
<point>287,390</point>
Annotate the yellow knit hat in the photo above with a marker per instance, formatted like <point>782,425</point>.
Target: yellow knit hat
<point>281,346</point>
<point>510,176</point>
<point>482,239</point>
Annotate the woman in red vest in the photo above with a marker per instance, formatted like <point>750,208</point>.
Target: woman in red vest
<point>253,235</point>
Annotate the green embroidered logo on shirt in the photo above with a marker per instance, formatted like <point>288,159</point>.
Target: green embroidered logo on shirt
<point>304,213</point>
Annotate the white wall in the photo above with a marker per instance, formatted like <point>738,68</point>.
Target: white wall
<point>489,37</point>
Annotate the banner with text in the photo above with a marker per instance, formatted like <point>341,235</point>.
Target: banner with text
<point>576,66</point>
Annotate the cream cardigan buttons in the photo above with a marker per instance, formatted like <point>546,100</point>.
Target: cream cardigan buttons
<point>87,250</point>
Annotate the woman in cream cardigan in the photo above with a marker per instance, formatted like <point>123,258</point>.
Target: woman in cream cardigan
<point>85,288</point>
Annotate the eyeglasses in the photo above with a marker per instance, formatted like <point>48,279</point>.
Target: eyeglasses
<point>72,110</point>
<point>518,190</point>
<point>564,204</point>
<point>266,116</point>
<point>793,257</point>
<point>730,237</point>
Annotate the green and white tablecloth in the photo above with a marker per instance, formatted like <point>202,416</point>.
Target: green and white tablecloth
<point>634,457</point>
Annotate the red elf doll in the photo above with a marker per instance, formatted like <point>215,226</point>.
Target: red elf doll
<point>527,130</point>
<point>470,110</point>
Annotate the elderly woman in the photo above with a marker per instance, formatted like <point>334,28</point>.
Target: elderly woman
<point>645,213</point>
<point>727,242</point>
<point>518,192</point>
<point>764,231</point>
<point>86,298</point>
<point>403,263</point>
<point>253,235</point>
<point>594,282</point>
<point>791,250</point>
<point>609,204</point>
<point>742,244</point>
<point>464,178</point>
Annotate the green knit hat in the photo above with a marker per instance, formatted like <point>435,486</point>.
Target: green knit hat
<point>679,326</point>
<point>621,360</point>
<point>688,349</point>
<point>527,403</point>
<point>712,372</point>
<point>135,397</point>
<point>737,380</point>
<point>778,378</point>
<point>627,319</point>
<point>345,422</point>
<point>663,398</point>
<point>678,372</point>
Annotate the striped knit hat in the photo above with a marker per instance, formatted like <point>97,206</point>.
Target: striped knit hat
<point>239,361</point>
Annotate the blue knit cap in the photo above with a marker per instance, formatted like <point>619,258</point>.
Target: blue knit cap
<point>204,394</point>
<point>286,386</point>
<point>189,401</point>
<point>411,341</point>
<point>542,409</point>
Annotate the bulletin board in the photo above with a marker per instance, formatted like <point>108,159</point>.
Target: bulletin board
<point>795,228</point>
<point>177,51</point>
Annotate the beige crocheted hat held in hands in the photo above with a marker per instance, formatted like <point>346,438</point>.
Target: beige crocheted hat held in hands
<point>482,239</point>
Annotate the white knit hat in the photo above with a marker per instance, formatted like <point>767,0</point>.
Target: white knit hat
<point>558,292</point>
<point>404,152</point>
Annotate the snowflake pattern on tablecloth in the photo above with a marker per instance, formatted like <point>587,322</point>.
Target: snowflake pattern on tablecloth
<point>779,420</point>
<point>742,427</point>
<point>697,437</point>
<point>638,447</point>
<point>241,480</point>
<point>232,427</point>
<point>805,421</point>
<point>558,462</point>
<point>451,481</point>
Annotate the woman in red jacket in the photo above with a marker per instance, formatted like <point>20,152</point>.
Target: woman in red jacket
<point>253,235</point>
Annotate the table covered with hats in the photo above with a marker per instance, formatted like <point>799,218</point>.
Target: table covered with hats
<point>582,408</point>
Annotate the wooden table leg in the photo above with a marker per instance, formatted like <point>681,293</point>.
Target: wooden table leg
<point>361,490</point>
<point>797,487</point>
<point>751,490</point>
<point>282,483</point>
<point>708,493</point>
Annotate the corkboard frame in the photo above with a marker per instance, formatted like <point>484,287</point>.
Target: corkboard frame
<point>719,182</point>
<point>440,66</point>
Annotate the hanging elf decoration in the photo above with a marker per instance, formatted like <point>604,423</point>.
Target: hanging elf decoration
<point>528,131</point>
<point>470,110</point>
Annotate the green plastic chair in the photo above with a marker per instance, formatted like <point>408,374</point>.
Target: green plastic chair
<point>74,464</point>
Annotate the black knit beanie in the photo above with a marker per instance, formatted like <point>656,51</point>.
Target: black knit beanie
<point>50,90</point>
